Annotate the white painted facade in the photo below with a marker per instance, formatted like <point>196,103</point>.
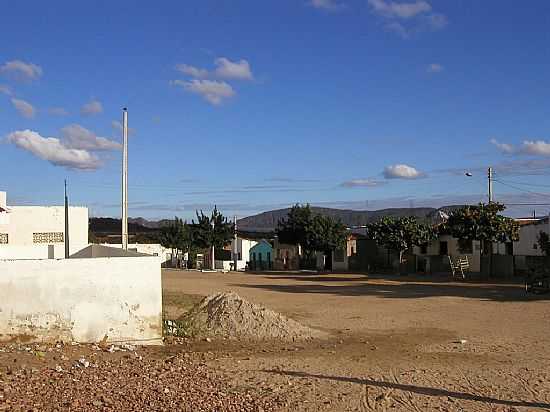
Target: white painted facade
<point>37,232</point>
<point>82,299</point>
<point>243,250</point>
<point>437,248</point>
<point>528,238</point>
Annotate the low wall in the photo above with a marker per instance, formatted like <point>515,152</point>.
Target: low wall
<point>498,266</point>
<point>81,300</point>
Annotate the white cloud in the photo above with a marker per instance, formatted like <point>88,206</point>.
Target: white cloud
<point>227,69</point>
<point>117,127</point>
<point>327,5</point>
<point>538,148</point>
<point>78,137</point>
<point>503,147</point>
<point>362,183</point>
<point>405,18</point>
<point>435,68</point>
<point>192,71</point>
<point>436,21</point>
<point>91,108</point>
<point>401,171</point>
<point>21,70</point>
<point>53,150</point>
<point>528,147</point>
<point>398,28</point>
<point>24,108</point>
<point>5,90</point>
<point>57,111</point>
<point>399,10</point>
<point>212,91</point>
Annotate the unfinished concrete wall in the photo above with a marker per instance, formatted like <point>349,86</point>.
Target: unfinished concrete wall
<point>81,300</point>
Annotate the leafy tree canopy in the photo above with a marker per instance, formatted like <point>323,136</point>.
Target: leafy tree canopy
<point>311,231</point>
<point>178,235</point>
<point>482,222</point>
<point>214,230</point>
<point>400,234</point>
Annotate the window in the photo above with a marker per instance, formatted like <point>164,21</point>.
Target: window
<point>423,249</point>
<point>3,238</point>
<point>269,256</point>
<point>47,237</point>
<point>254,256</point>
<point>339,255</point>
<point>352,251</point>
<point>443,248</point>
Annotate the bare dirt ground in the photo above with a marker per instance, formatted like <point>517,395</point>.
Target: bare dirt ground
<point>399,343</point>
<point>395,344</point>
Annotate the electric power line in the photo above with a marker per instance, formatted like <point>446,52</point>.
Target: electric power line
<point>522,190</point>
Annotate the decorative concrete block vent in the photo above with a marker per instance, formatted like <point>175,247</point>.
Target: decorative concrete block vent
<point>97,292</point>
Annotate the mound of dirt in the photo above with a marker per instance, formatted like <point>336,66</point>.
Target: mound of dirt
<point>230,316</point>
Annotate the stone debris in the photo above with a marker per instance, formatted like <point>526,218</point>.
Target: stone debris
<point>83,362</point>
<point>227,315</point>
<point>122,382</point>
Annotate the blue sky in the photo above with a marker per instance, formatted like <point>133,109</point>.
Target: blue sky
<point>253,105</point>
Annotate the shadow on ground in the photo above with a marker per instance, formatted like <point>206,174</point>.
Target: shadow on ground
<point>420,390</point>
<point>396,287</point>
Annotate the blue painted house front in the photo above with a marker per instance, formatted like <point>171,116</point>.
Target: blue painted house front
<point>261,256</point>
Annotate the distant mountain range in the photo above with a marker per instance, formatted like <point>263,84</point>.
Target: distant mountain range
<point>267,221</point>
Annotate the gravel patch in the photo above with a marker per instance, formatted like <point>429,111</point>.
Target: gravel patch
<point>119,382</point>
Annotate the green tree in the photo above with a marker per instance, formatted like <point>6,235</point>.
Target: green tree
<point>313,232</point>
<point>212,232</point>
<point>297,227</point>
<point>175,236</point>
<point>400,234</point>
<point>328,234</point>
<point>544,242</point>
<point>483,223</point>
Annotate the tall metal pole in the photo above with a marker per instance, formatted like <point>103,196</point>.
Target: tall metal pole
<point>236,245</point>
<point>490,176</point>
<point>213,259</point>
<point>66,222</point>
<point>124,179</point>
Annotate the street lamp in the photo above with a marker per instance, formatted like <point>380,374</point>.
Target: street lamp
<point>490,182</point>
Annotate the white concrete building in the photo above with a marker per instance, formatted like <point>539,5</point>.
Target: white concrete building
<point>243,253</point>
<point>528,237</point>
<point>444,246</point>
<point>38,232</point>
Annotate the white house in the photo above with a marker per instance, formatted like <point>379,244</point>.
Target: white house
<point>433,257</point>
<point>38,232</point>
<point>243,251</point>
<point>528,237</point>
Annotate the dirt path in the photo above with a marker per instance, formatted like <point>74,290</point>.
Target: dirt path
<point>396,343</point>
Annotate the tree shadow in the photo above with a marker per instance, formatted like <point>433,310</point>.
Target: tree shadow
<point>399,289</point>
<point>421,390</point>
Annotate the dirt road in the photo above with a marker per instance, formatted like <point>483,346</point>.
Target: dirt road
<point>398,343</point>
